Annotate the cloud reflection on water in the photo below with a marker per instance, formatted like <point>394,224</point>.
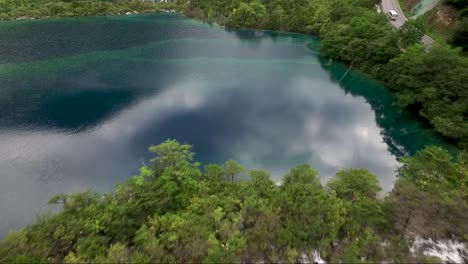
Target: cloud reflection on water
<point>324,128</point>
<point>261,98</point>
<point>36,165</point>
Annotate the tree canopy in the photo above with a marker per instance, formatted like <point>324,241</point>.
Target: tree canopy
<point>14,9</point>
<point>174,211</point>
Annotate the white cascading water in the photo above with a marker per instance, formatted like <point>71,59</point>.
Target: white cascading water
<point>315,258</point>
<point>448,251</point>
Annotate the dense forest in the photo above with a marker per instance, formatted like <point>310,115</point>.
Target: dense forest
<point>460,33</point>
<point>26,9</point>
<point>175,211</point>
<point>431,81</point>
<point>447,21</point>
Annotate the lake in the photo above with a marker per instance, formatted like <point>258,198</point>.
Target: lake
<point>82,99</point>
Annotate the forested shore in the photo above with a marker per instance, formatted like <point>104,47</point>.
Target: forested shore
<point>25,9</point>
<point>430,81</point>
<point>175,210</point>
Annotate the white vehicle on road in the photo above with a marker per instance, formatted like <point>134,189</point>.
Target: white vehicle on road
<point>392,14</point>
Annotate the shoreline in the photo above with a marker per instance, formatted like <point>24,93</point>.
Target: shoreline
<point>190,15</point>
<point>128,13</point>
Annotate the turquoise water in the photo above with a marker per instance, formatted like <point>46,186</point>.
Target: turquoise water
<point>423,6</point>
<point>83,98</point>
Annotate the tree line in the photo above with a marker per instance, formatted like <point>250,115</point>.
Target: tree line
<point>430,81</point>
<point>177,211</point>
<point>26,9</point>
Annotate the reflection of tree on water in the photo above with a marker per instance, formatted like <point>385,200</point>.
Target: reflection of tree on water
<point>253,37</point>
<point>256,36</point>
<point>401,131</point>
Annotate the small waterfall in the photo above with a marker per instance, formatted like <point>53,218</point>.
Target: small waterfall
<point>304,258</point>
<point>448,251</point>
<point>423,6</point>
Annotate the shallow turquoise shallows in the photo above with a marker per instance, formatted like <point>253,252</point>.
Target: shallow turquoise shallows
<point>82,99</point>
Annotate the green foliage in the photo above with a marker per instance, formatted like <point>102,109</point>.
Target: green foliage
<point>355,184</point>
<point>367,218</point>
<point>434,81</point>
<point>366,248</point>
<point>431,260</point>
<point>302,175</point>
<point>311,216</point>
<point>248,14</point>
<point>431,170</point>
<point>25,9</point>
<point>214,173</point>
<point>460,34</point>
<point>431,195</point>
<point>173,212</point>
<point>171,154</point>
<point>15,249</point>
<point>410,33</point>
<point>232,167</point>
<point>429,81</point>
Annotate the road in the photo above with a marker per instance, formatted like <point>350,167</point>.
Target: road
<point>388,5</point>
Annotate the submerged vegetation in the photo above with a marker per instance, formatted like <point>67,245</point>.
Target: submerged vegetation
<point>430,81</point>
<point>175,211</point>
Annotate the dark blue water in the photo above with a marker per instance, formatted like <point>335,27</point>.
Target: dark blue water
<point>82,99</point>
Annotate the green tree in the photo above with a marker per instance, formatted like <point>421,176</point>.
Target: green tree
<point>184,216</point>
<point>249,15</point>
<point>355,184</point>
<point>214,173</point>
<point>430,196</point>
<point>359,188</point>
<point>232,167</point>
<point>311,217</point>
<point>434,82</point>
<point>171,154</point>
<point>410,33</point>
